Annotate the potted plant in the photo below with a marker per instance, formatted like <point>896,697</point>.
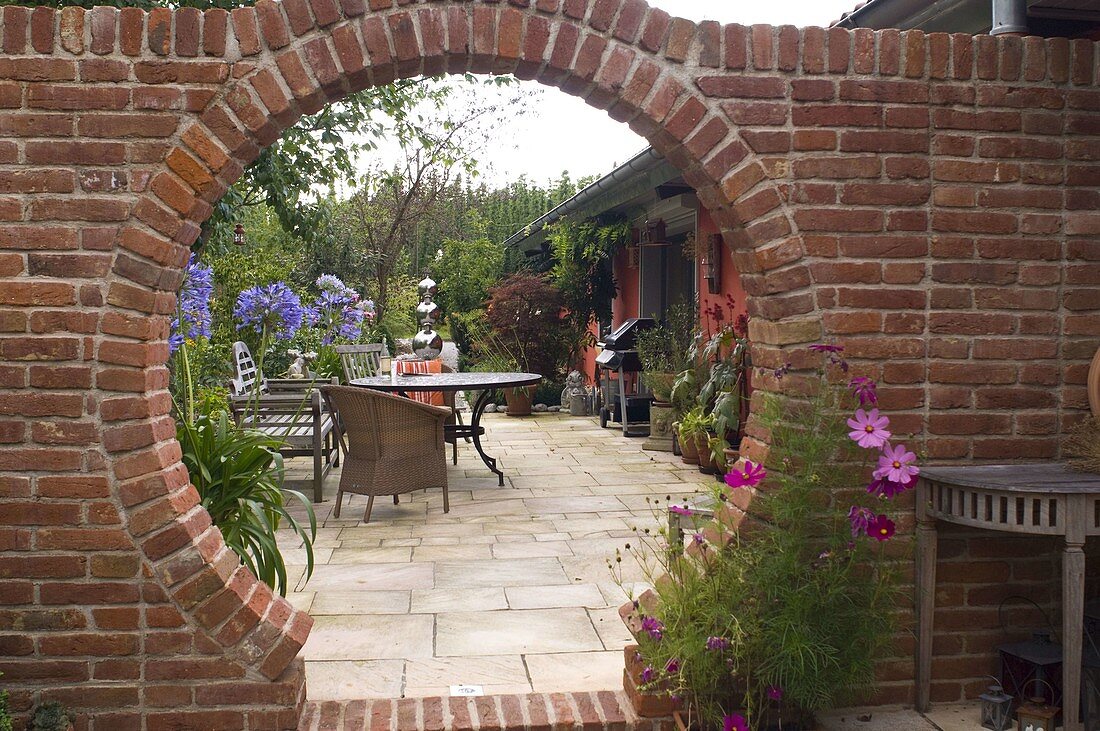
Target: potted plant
<point>50,716</point>
<point>688,431</point>
<point>725,390</point>
<point>703,439</point>
<point>664,351</point>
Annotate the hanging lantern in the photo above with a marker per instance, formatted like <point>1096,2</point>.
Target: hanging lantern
<point>653,234</point>
<point>996,708</point>
<point>1037,714</point>
<point>238,235</point>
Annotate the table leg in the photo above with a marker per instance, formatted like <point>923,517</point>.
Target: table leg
<point>1073,614</point>
<point>926,596</point>
<point>475,425</point>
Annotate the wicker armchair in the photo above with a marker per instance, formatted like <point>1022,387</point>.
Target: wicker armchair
<point>391,445</point>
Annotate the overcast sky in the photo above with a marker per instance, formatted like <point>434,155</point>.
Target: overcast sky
<point>563,133</point>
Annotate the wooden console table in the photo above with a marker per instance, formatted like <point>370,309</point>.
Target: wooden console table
<point>1037,499</point>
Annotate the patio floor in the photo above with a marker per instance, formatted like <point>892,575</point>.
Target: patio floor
<point>509,591</point>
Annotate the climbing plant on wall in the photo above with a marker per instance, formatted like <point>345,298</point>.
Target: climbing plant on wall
<point>581,253</point>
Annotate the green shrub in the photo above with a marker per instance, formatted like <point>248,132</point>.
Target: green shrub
<point>666,347</point>
<point>5,712</point>
<point>239,475</point>
<point>548,393</point>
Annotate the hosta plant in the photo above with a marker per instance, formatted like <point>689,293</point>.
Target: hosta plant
<point>239,476</point>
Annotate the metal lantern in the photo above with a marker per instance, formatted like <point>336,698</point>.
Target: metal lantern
<point>712,263</point>
<point>996,708</point>
<point>1036,661</point>
<point>1037,714</point>
<point>238,235</point>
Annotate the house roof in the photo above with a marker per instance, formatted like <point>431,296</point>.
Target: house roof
<point>631,184</point>
<point>1045,17</point>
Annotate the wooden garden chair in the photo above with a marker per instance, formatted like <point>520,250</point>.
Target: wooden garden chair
<point>289,409</point>
<point>360,361</point>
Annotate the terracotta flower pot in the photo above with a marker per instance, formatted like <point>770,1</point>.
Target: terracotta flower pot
<point>519,400</point>
<point>661,385</point>
<point>706,459</point>
<point>689,451</point>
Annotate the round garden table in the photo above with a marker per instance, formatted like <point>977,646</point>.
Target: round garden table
<point>485,383</point>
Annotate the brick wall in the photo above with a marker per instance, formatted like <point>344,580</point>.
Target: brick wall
<point>926,199</point>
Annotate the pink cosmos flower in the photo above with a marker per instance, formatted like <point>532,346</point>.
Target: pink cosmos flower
<point>861,520</point>
<point>685,510</point>
<point>717,644</point>
<point>647,674</point>
<point>882,529</point>
<point>869,429</point>
<point>734,722</point>
<point>864,389</point>
<point>699,539</point>
<point>672,666</point>
<point>653,627</point>
<point>775,693</point>
<point>887,489</point>
<point>897,464</point>
<point>751,476</point>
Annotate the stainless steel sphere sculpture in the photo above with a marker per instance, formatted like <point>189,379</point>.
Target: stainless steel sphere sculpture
<point>427,344</point>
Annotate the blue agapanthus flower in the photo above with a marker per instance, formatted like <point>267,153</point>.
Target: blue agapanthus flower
<point>274,308</point>
<point>332,284</point>
<point>335,311</point>
<point>193,305</point>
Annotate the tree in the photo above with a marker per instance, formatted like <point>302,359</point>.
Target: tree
<point>323,150</point>
<point>375,235</point>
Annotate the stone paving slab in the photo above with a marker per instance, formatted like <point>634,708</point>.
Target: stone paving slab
<point>510,590</point>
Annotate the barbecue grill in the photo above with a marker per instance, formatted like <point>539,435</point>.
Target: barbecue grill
<point>625,399</point>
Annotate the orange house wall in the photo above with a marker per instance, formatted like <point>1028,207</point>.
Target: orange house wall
<point>625,305</point>
<point>730,278</point>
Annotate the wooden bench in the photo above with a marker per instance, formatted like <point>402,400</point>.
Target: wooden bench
<point>291,410</point>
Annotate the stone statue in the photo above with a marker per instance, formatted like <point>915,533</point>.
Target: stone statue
<point>298,367</point>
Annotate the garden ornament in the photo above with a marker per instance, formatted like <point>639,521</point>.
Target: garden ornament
<point>427,344</point>
<point>297,367</point>
<point>427,310</point>
<point>427,285</point>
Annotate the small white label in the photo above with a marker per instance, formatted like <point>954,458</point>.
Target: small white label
<point>467,690</point>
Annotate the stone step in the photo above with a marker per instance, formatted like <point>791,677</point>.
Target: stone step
<point>596,711</point>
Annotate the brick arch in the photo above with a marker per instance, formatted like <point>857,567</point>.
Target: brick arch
<point>817,150</point>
